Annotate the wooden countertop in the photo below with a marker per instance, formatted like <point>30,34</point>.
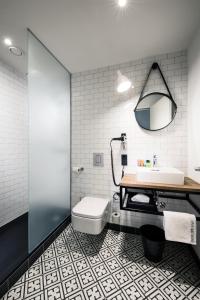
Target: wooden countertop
<point>129,181</point>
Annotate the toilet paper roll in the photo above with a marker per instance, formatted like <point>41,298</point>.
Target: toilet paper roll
<point>116,217</point>
<point>77,170</point>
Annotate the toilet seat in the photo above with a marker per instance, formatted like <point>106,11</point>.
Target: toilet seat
<point>91,207</point>
<point>90,215</point>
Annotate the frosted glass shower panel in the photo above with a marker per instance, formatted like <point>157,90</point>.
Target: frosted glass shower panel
<point>49,169</point>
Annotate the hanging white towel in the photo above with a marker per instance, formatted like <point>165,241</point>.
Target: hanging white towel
<point>180,227</point>
<point>141,198</point>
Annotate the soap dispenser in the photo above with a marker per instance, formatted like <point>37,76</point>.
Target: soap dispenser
<point>155,161</point>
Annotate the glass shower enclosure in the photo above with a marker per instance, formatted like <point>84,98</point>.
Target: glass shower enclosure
<point>49,142</point>
<point>34,147</point>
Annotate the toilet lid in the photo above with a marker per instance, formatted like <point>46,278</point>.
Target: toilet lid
<point>90,207</point>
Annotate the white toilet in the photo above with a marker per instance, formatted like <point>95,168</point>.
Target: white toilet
<point>90,215</point>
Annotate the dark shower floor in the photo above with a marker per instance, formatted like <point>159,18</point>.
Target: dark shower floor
<point>13,245</point>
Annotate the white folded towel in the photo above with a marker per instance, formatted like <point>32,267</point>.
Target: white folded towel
<point>180,227</point>
<point>140,198</point>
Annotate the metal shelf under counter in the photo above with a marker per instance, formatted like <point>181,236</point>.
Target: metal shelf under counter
<point>162,196</point>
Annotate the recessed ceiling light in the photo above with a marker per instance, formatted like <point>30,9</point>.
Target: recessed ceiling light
<point>122,3</point>
<point>7,42</point>
<point>16,50</point>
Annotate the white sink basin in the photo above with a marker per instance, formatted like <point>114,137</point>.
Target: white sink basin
<point>160,175</point>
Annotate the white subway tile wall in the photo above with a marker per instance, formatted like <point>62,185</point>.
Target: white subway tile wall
<point>100,113</point>
<point>13,144</point>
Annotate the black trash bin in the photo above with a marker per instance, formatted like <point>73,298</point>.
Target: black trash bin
<point>153,239</point>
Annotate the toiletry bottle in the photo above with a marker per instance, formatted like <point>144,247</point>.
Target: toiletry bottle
<point>142,163</point>
<point>148,163</point>
<point>154,161</point>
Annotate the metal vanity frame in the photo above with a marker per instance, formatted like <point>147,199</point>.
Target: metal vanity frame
<point>156,192</point>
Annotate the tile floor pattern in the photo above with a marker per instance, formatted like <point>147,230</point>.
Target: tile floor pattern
<point>109,266</point>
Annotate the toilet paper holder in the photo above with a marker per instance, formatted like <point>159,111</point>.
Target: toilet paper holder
<point>77,170</point>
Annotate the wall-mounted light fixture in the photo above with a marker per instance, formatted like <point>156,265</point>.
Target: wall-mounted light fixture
<point>123,83</point>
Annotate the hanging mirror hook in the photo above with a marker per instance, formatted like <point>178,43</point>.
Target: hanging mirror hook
<point>155,66</point>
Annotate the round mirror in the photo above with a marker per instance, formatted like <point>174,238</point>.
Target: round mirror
<point>155,111</point>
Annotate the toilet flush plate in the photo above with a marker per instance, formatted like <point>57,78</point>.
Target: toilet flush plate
<point>98,159</point>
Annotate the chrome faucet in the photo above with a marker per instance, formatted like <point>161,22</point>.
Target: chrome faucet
<point>155,161</point>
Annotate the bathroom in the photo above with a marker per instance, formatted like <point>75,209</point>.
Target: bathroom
<point>62,116</point>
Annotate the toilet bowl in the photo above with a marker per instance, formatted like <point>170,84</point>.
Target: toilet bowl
<point>90,215</point>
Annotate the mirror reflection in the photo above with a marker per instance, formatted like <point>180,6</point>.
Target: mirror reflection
<point>155,111</point>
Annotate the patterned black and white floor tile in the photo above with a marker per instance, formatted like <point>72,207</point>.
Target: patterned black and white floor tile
<point>110,266</point>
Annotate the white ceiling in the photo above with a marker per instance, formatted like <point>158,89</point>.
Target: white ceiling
<point>86,34</point>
